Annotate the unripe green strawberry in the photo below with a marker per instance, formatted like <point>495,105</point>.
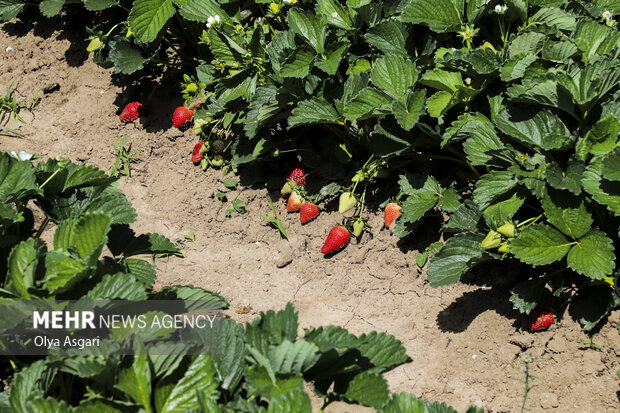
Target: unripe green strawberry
<point>217,146</point>
<point>94,45</point>
<point>347,202</point>
<point>204,164</point>
<point>492,240</point>
<point>199,125</point>
<point>217,161</point>
<point>358,228</point>
<point>504,248</point>
<point>507,230</point>
<point>275,8</point>
<point>358,177</point>
<point>191,88</point>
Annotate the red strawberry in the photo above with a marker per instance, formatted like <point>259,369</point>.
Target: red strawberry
<point>181,116</point>
<point>132,112</point>
<point>391,212</point>
<point>541,318</point>
<point>337,239</point>
<point>294,202</point>
<point>196,154</point>
<point>297,175</point>
<point>309,211</point>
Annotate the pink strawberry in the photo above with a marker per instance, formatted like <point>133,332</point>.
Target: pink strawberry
<point>196,154</point>
<point>391,212</point>
<point>296,175</point>
<point>308,212</point>
<point>132,112</point>
<point>337,239</point>
<point>541,318</point>
<point>294,202</point>
<point>181,116</point>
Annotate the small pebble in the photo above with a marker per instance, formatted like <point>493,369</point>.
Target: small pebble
<point>9,49</point>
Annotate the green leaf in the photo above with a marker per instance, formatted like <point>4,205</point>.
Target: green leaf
<point>408,114</point>
<point>143,271</point>
<point>593,255</point>
<point>440,15</point>
<point>554,17</point>
<point>526,44</point>
<point>330,62</point>
<point>41,404</point>
<point>117,286</point>
<point>405,403</point>
<point>602,138</point>
<point>148,17</point>
<point>540,244</point>
<point>89,233</point>
<point>492,186</point>
<point>464,219</point>
<point>50,8</point>
<point>559,51</point>
<point>481,61</point>
<point>541,128</point>
<point>482,143</point>
<point>127,57</point>
<point>293,357</point>
<point>22,265</point>
<point>299,63</point>
<point>527,294</point>
<point>365,102</point>
<point>231,364</point>
<point>390,37</point>
<point>201,10</point>
<point>98,5</point>
<point>309,26</point>
<point>516,67</point>
<point>135,381</point>
<point>460,253</point>
<point>292,401</point>
<point>63,272</point>
<point>570,179</point>
<point>449,200</point>
<point>10,9</point>
<point>17,178</point>
<point>611,165</point>
<point>85,175</point>
<point>421,259</point>
<point>174,394</point>
<point>442,80</point>
<point>315,110</point>
<point>395,75</point>
<point>335,14</point>
<point>497,214</point>
<point>383,351</point>
<point>603,192</point>
<point>368,389</point>
<point>567,213</point>
<point>272,328</point>
<point>590,37</point>
<point>25,384</point>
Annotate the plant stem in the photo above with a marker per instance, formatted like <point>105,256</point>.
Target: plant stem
<point>42,227</point>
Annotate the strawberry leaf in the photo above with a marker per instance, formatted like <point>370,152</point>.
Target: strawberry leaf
<point>460,253</point>
<point>148,17</point>
<point>441,15</point>
<point>11,8</point>
<point>540,244</point>
<point>368,389</point>
<point>593,255</point>
<point>567,213</point>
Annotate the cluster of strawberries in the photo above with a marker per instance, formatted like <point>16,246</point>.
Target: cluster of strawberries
<point>181,116</point>
<point>339,236</point>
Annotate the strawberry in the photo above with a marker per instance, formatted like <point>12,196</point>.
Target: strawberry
<point>308,212</point>
<point>541,318</point>
<point>196,153</point>
<point>346,202</point>
<point>358,227</point>
<point>391,212</point>
<point>132,112</point>
<point>296,175</point>
<point>181,116</point>
<point>337,239</point>
<point>294,202</point>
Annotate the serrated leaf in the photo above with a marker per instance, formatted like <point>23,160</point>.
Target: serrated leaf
<point>50,8</point>
<point>527,294</point>
<point>541,128</point>
<point>143,271</point>
<point>22,263</point>
<point>90,233</point>
<point>383,351</point>
<point>231,364</point>
<point>293,401</point>
<point>601,191</point>
<point>368,389</point>
<point>554,17</point>
<point>442,80</point>
<point>135,381</point>
<point>602,138</point>
<point>408,114</point>
<point>516,67</point>
<point>367,100</point>
<point>335,14</point>
<point>98,5</point>
<point>310,27</point>
<point>593,255</point>
<point>559,51</point>
<point>567,213</point>
<point>405,403</point>
<point>492,186</point>
<point>611,166</point>
<point>481,61</point>
<point>11,8</point>
<point>272,328</point>
<point>293,357</point>
<point>17,178</point>
<point>127,58</point>
<point>497,214</point>
<point>313,111</point>
<point>390,37</point>
<point>395,75</point>
<point>570,179</point>
<point>117,286</point>
<point>334,53</point>
<point>201,10</point>
<point>481,144</point>
<point>148,17</point>
<point>299,63</point>
<point>63,272</point>
<point>526,43</point>
<point>460,253</point>
<point>540,244</point>
<point>464,219</point>
<point>25,384</point>
<point>441,15</point>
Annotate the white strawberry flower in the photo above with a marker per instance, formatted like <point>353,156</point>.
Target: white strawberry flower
<point>607,15</point>
<point>501,8</point>
<point>290,1</point>
<point>22,155</point>
<point>213,20</point>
